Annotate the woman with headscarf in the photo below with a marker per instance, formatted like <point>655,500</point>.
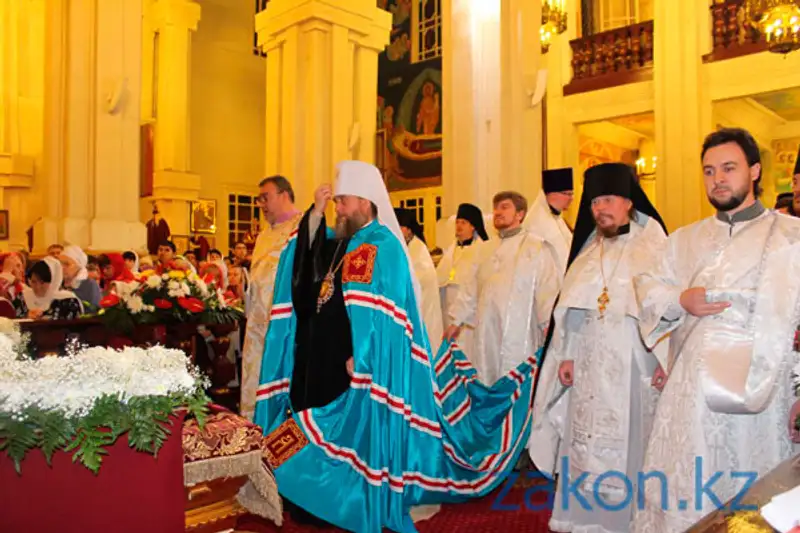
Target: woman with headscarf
<point>45,298</point>
<point>76,277</point>
<point>112,268</point>
<point>12,281</point>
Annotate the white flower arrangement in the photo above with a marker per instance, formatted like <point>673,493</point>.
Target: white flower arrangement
<point>66,402</point>
<point>72,384</point>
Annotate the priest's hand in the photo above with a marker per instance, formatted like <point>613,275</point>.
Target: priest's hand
<point>350,366</point>
<point>659,379</point>
<point>566,372</point>
<point>694,301</point>
<point>35,314</point>
<point>322,196</point>
<point>793,413</point>
<point>451,333</point>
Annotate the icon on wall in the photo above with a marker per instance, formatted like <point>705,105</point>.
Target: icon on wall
<point>203,216</point>
<point>4,225</point>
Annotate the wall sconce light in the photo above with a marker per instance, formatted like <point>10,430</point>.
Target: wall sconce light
<point>646,167</point>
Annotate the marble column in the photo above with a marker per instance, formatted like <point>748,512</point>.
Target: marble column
<point>322,90</point>
<point>21,85</point>
<point>683,111</point>
<point>492,125</point>
<point>168,26</point>
<point>91,116</point>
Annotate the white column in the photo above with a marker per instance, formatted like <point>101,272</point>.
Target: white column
<point>683,114</point>
<point>492,131</point>
<point>19,133</point>
<point>174,22</point>
<point>91,103</point>
<point>322,71</point>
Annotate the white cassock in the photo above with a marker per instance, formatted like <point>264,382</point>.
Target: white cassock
<point>601,423</point>
<point>507,299</point>
<point>551,228</point>
<point>726,402</point>
<point>452,271</point>
<point>429,287</point>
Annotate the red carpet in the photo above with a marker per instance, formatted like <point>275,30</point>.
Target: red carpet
<point>486,515</point>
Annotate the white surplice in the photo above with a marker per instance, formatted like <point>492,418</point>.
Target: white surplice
<point>601,423</point>
<point>451,271</point>
<point>729,391</point>
<point>507,298</point>
<point>551,228</point>
<point>430,306</point>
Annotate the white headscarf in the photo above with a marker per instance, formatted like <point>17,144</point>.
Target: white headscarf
<point>79,256</point>
<point>223,268</point>
<point>54,291</point>
<point>357,178</point>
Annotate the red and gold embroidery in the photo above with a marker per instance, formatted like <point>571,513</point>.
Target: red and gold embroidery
<point>280,445</point>
<point>359,264</point>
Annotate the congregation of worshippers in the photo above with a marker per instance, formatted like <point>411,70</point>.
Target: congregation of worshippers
<point>649,349</point>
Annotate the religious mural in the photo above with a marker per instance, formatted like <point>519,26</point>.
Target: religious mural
<point>782,168</point>
<point>409,114</point>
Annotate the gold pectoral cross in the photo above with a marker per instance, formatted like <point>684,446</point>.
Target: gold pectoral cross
<point>603,301</point>
<point>325,291</point>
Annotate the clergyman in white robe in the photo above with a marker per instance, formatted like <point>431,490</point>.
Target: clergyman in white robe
<point>727,294</point>
<point>729,388</point>
<point>455,266</point>
<point>507,299</point>
<point>600,422</point>
<point>425,271</point>
<point>546,221</point>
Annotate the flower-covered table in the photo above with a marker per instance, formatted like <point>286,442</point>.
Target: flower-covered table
<point>91,440</point>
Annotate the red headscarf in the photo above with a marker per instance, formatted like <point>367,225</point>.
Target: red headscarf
<point>121,273</point>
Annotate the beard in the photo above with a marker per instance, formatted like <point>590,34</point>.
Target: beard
<point>736,199</point>
<point>347,226</point>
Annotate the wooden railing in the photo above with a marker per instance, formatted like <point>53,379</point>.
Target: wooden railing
<point>732,38</point>
<point>611,58</point>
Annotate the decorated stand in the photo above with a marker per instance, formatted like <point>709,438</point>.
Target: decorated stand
<point>119,422</point>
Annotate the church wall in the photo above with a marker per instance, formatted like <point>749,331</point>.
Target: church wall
<point>228,108</point>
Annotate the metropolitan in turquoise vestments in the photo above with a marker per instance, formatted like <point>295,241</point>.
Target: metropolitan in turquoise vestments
<point>409,428</point>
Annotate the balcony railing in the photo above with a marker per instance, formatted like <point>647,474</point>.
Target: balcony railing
<point>732,38</point>
<point>611,58</point>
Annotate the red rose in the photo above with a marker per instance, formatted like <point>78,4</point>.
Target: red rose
<point>161,303</point>
<point>109,301</point>
<point>193,305</point>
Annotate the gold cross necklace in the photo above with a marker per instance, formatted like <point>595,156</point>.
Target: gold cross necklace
<point>328,286</point>
<point>604,299</point>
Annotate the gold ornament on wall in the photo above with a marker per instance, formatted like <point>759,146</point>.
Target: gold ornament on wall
<point>778,21</point>
<point>554,21</point>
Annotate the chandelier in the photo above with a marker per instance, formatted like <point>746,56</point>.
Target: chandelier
<point>554,21</point>
<point>778,21</point>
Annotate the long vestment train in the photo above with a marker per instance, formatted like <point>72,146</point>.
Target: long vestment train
<point>410,430</point>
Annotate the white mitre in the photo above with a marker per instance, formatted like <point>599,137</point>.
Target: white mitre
<point>357,178</point>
